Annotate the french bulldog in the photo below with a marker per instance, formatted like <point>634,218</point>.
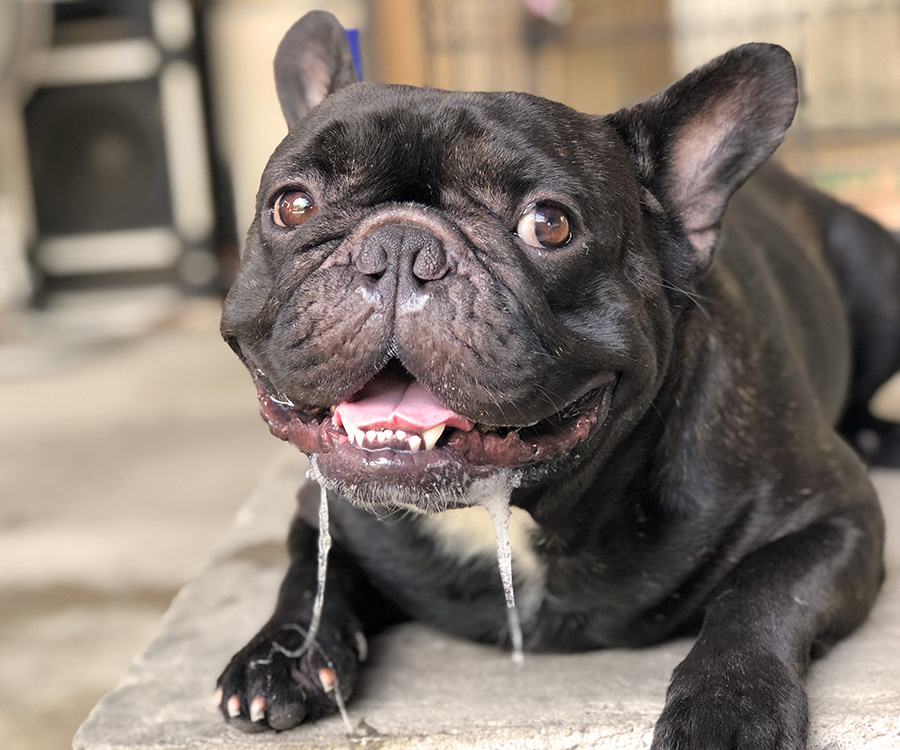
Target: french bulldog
<point>656,359</point>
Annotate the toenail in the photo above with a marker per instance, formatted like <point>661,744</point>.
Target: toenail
<point>258,709</point>
<point>327,677</point>
<point>362,646</point>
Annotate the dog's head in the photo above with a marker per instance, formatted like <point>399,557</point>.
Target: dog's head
<point>439,286</point>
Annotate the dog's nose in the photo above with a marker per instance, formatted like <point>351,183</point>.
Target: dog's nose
<point>406,248</point>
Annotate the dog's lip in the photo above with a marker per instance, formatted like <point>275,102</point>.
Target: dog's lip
<point>315,431</point>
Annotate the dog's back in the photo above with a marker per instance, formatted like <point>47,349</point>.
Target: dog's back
<point>803,232</point>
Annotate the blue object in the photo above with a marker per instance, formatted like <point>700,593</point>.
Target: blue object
<point>353,41</point>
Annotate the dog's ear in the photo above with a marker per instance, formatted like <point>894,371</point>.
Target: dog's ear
<point>312,61</point>
<point>695,143</point>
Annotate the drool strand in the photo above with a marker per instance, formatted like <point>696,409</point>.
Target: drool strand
<point>321,573</point>
<point>319,602</point>
<point>496,503</point>
<point>324,549</point>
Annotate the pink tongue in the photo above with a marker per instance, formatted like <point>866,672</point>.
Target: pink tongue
<point>389,403</point>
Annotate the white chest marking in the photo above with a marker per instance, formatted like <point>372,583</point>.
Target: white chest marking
<point>468,535</point>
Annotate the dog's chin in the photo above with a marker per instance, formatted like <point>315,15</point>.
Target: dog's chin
<point>383,470</point>
<point>426,490</point>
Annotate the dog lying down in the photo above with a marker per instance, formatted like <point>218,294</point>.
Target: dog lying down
<point>642,360</point>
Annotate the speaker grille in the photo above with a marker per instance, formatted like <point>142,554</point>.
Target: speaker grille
<point>98,157</point>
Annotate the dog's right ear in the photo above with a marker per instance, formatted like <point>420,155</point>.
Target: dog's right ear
<point>312,61</point>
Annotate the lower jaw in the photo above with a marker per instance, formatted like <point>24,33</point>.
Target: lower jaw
<point>429,481</point>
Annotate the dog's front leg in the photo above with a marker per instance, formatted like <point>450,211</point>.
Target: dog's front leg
<point>741,686</point>
<point>278,679</point>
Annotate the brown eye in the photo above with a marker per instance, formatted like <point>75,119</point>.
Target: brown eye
<point>545,226</point>
<point>293,208</point>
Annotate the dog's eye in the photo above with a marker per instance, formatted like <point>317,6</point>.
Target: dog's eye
<point>293,208</point>
<point>545,226</point>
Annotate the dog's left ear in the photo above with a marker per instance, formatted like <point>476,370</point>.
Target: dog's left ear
<point>312,61</point>
<point>695,143</point>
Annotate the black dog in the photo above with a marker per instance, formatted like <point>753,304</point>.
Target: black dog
<point>452,297</point>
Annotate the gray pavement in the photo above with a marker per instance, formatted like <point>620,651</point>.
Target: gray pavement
<point>422,689</point>
<point>124,458</point>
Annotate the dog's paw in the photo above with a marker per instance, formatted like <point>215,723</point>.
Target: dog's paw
<point>270,684</point>
<point>738,703</point>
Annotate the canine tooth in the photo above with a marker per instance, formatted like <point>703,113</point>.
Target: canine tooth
<point>356,435</point>
<point>415,443</point>
<point>430,437</point>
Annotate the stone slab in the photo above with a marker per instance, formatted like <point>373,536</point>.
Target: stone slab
<point>422,689</point>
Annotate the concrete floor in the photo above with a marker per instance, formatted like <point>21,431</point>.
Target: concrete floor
<point>121,468</point>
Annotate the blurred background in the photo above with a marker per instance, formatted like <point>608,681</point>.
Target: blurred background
<point>132,136</point>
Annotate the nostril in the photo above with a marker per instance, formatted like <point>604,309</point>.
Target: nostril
<point>431,261</point>
<point>370,259</point>
<point>374,275</point>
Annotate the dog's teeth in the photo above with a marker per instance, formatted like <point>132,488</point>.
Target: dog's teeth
<point>430,437</point>
<point>355,434</point>
<point>373,439</point>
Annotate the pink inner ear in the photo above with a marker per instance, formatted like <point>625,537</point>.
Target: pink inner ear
<point>701,146</point>
<point>315,74</point>
<point>704,242</point>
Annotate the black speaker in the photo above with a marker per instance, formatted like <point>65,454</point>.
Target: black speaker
<point>98,157</point>
<point>118,148</point>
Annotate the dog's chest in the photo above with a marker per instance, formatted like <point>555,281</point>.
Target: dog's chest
<point>468,535</point>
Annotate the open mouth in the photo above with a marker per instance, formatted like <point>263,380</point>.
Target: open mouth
<point>395,422</point>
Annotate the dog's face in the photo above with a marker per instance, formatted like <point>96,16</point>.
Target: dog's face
<point>426,267</point>
<point>439,286</point>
